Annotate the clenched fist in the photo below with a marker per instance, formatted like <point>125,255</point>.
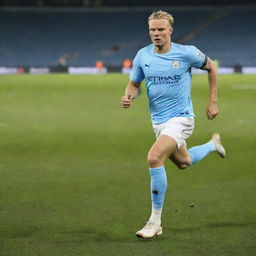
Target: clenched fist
<point>126,101</point>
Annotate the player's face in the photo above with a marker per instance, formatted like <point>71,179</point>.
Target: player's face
<point>160,32</point>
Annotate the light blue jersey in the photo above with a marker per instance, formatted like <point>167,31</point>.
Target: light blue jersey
<point>168,79</point>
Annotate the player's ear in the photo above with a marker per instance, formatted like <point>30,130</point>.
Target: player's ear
<point>171,30</point>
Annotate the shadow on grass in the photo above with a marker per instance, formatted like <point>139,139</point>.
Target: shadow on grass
<point>113,234</point>
<point>19,232</point>
<point>212,226</point>
<point>229,224</point>
<point>116,233</point>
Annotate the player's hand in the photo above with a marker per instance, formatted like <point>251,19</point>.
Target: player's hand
<point>212,110</point>
<point>126,101</point>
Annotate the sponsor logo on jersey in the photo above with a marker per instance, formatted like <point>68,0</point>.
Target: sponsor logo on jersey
<point>164,79</point>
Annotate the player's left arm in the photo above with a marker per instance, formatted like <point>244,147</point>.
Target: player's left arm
<point>212,107</point>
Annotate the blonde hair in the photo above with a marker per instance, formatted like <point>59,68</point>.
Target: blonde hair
<point>161,15</point>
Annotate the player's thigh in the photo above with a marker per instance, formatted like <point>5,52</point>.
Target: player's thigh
<point>163,147</point>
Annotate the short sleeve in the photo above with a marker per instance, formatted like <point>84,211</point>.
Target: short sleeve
<point>196,58</point>
<point>137,74</point>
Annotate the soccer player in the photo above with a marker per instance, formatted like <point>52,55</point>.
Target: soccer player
<point>166,68</point>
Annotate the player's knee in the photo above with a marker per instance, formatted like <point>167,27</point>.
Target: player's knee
<point>154,160</point>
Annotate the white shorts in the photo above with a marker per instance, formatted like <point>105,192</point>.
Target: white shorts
<point>179,128</point>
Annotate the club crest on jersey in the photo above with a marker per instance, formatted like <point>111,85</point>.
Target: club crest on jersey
<point>175,63</point>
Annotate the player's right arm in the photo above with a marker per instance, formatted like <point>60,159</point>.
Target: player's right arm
<point>131,92</point>
<point>136,77</point>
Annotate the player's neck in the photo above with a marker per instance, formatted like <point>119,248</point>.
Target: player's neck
<point>161,49</point>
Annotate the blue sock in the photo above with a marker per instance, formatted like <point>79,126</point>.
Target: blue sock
<point>158,186</point>
<point>197,153</point>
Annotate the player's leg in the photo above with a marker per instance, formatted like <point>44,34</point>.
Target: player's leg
<point>180,157</point>
<point>159,152</point>
<point>184,158</point>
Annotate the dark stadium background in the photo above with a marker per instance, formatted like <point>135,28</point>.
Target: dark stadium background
<point>50,36</point>
<point>126,3</point>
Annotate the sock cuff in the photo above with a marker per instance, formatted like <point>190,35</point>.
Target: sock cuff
<point>156,170</point>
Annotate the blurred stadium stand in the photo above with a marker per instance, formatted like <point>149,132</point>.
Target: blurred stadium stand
<point>44,36</point>
<point>120,2</point>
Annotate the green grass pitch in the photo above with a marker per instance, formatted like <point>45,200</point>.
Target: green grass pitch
<point>74,178</point>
